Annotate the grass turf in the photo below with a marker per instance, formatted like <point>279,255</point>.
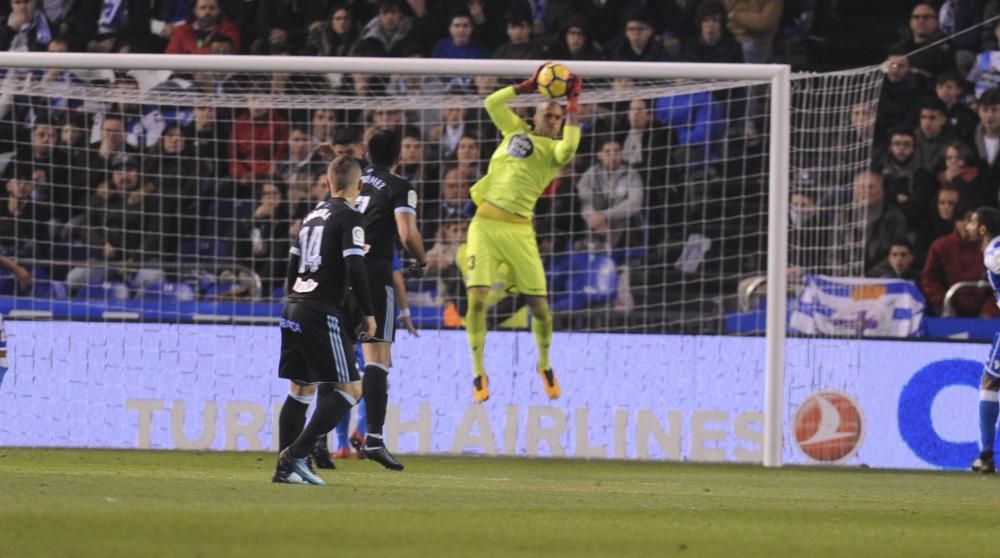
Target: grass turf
<point>176,504</point>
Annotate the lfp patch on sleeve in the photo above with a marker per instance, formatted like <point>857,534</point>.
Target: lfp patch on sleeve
<point>358,234</point>
<point>411,199</point>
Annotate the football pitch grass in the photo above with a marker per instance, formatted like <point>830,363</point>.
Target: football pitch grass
<point>177,504</point>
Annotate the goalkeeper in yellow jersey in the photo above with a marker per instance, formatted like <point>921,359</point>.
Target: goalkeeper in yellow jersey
<point>501,232</point>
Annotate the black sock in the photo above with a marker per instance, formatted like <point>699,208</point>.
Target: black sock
<point>290,421</point>
<point>329,411</point>
<point>322,391</point>
<point>376,389</point>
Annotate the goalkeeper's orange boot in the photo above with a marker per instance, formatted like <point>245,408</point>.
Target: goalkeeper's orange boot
<point>480,388</point>
<point>550,382</point>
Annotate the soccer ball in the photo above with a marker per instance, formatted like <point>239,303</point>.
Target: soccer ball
<point>553,80</point>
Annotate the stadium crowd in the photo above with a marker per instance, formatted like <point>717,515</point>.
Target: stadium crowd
<point>122,191</point>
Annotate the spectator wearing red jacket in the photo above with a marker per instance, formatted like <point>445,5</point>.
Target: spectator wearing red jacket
<point>206,22</point>
<point>258,142</point>
<point>953,258</point>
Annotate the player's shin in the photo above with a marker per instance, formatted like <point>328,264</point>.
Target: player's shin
<point>376,392</point>
<point>989,410</point>
<point>475,329</point>
<point>329,411</point>
<point>292,418</point>
<point>541,326</point>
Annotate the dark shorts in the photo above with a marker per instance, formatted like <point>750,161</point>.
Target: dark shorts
<point>316,347</point>
<point>383,300</point>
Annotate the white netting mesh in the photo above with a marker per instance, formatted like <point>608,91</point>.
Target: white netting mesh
<point>158,193</point>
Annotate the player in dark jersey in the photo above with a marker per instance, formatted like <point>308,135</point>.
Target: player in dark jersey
<point>317,333</point>
<point>389,204</point>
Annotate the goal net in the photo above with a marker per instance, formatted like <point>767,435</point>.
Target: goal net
<point>154,210</point>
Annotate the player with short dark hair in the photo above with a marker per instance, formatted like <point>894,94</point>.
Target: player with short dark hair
<point>984,227</point>
<point>389,205</point>
<point>317,333</point>
<point>520,170</point>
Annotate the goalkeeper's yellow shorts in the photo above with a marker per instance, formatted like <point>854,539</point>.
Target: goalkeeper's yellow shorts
<point>491,244</point>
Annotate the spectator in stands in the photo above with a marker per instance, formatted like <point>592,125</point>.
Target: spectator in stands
<point>962,171</point>
<point>754,23</point>
<point>611,201</point>
<point>714,43</point>
<point>961,119</point>
<point>644,148</point>
<point>286,22</point>
<point>468,156</point>
<point>901,90</point>
<point>323,126</point>
<point>58,78</point>
<point>121,26</point>
<point>898,264</point>
<point>387,34</point>
<point>460,43</point>
<point>940,221</point>
<point>166,17</point>
<point>206,21</point>
<point>97,160</point>
<point>575,42</point>
<point>637,44</point>
<point>72,133</point>
<point>259,141</point>
<point>413,166</point>
<point>269,238</point>
<point>27,28</point>
<point>987,134</point>
<point>907,185</point>
<point>444,136</point>
<point>298,169</point>
<point>141,130</point>
<point>520,44</point>
<point>868,227</point>
<point>455,202</point>
<point>932,134</point>
<point>23,221</point>
<point>924,31</point>
<point>985,71</point>
<point>335,37</point>
<point>170,163</point>
<point>956,15</point>
<point>387,118</point>
<point>809,232</point>
<point>953,258</point>
<point>450,235</point>
<point>208,138</point>
<point>122,219</point>
<point>49,167</point>
<point>488,19</point>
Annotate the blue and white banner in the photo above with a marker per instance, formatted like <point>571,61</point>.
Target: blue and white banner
<point>879,403</point>
<point>858,306</point>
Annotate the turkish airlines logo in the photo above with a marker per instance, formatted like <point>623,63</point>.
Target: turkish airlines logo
<point>828,427</point>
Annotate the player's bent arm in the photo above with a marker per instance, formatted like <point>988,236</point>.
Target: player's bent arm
<point>358,278</point>
<point>567,146</point>
<point>293,269</point>
<point>409,236</point>
<point>506,120</point>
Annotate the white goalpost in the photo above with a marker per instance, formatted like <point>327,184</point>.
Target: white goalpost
<point>709,152</point>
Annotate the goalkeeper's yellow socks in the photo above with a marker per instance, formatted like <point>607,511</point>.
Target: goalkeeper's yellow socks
<point>542,328</point>
<point>475,329</point>
<point>543,339</point>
